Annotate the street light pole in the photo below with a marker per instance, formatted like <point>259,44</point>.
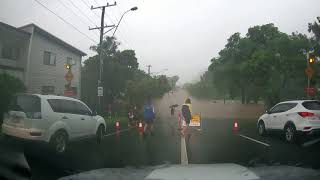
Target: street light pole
<point>132,9</point>
<point>116,27</point>
<point>100,46</point>
<point>101,28</point>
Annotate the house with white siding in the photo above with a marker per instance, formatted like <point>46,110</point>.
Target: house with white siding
<point>38,58</point>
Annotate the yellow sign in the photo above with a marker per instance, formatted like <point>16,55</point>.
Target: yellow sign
<point>69,76</point>
<point>309,72</point>
<point>196,120</point>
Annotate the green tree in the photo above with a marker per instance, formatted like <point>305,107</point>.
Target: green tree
<point>265,64</point>
<point>122,81</point>
<point>9,86</point>
<point>118,67</point>
<point>173,81</point>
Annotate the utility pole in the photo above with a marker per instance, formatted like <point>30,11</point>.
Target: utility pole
<point>101,28</point>
<point>149,69</point>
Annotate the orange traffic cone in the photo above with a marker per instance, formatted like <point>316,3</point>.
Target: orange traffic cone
<point>141,127</point>
<point>117,125</point>
<point>235,128</point>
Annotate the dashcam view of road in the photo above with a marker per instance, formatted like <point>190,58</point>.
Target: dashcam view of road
<point>159,90</point>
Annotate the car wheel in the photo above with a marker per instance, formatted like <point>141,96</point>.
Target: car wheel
<point>59,142</point>
<point>261,128</point>
<point>290,133</point>
<point>100,134</point>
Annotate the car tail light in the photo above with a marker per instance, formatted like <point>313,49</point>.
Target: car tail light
<point>306,114</point>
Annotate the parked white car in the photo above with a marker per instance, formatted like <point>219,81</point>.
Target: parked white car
<point>301,117</point>
<point>52,119</point>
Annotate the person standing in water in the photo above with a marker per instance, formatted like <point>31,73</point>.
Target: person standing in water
<point>186,111</point>
<point>149,116</point>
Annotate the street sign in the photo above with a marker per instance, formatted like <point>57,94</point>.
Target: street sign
<point>68,93</point>
<point>69,76</point>
<point>310,91</point>
<point>309,72</point>
<point>196,120</point>
<point>100,91</point>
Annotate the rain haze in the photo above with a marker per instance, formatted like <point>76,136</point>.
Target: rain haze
<point>181,36</point>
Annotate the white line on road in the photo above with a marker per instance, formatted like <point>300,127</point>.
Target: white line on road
<point>309,143</point>
<point>254,140</point>
<point>184,154</point>
<point>117,132</point>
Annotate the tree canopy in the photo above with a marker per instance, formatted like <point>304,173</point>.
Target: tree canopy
<point>121,78</point>
<point>264,64</point>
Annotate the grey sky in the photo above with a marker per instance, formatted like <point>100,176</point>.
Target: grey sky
<point>180,35</point>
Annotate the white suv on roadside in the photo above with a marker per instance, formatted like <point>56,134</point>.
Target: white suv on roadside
<point>301,117</point>
<point>52,119</point>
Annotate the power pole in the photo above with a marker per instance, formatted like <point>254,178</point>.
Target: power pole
<point>101,28</point>
<point>149,69</point>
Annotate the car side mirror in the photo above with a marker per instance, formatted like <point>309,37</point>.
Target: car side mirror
<point>94,113</point>
<point>267,112</point>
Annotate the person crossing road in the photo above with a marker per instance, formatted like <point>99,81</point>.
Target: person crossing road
<point>186,111</point>
<point>149,117</point>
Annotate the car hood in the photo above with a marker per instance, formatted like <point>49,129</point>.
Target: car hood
<point>227,171</point>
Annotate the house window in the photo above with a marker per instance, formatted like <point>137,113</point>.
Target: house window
<point>49,58</point>
<point>47,90</point>
<point>71,61</point>
<point>9,52</point>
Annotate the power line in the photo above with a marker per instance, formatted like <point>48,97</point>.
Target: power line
<point>84,2</point>
<point>65,21</point>
<point>84,14</point>
<point>75,15</point>
<point>96,2</point>
<point>119,13</point>
<point>120,35</point>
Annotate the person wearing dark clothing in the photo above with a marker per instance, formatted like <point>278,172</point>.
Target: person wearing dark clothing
<point>131,118</point>
<point>186,114</point>
<point>172,110</point>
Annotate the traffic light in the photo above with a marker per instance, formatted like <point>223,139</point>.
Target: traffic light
<point>311,59</point>
<point>67,66</point>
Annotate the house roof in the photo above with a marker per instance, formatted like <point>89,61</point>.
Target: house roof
<point>14,29</point>
<point>54,38</point>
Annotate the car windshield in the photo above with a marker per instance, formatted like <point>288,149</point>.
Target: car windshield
<point>159,89</point>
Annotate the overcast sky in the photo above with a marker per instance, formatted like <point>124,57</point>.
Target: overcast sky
<point>179,35</point>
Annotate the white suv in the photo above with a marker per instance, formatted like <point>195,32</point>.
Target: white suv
<point>294,118</point>
<point>52,119</point>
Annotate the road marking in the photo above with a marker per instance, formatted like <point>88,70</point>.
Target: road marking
<point>309,143</point>
<point>184,154</point>
<point>254,140</point>
<point>117,132</point>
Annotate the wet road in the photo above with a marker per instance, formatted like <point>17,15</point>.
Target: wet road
<point>215,143</point>
<point>218,144</point>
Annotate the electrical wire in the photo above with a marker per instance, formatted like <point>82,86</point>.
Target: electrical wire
<point>65,21</point>
<point>84,2</point>
<point>75,14</point>
<point>83,13</point>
